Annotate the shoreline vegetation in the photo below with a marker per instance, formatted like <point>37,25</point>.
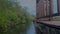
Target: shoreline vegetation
<point>13,18</point>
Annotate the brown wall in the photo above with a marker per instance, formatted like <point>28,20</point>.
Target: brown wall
<point>39,8</point>
<point>44,10</point>
<point>47,7</point>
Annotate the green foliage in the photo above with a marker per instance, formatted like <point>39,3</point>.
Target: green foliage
<point>13,18</point>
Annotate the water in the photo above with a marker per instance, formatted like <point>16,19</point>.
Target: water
<point>31,30</point>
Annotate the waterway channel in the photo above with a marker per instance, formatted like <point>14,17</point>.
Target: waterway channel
<point>31,29</point>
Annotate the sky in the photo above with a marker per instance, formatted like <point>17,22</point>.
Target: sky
<point>30,4</point>
<point>55,6</point>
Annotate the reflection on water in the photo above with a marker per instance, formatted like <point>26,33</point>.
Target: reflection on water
<point>31,29</point>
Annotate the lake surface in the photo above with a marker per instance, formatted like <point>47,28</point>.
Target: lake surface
<point>31,29</point>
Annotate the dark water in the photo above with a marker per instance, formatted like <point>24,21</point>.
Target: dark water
<point>31,29</point>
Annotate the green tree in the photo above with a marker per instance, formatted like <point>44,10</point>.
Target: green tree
<point>13,18</point>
